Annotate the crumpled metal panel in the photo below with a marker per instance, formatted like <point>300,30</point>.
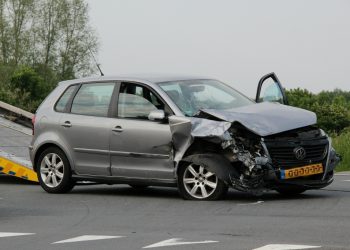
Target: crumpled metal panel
<point>185,129</point>
<point>262,119</point>
<point>265,118</point>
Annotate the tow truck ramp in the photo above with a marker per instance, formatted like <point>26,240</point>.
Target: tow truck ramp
<point>14,142</point>
<point>11,165</point>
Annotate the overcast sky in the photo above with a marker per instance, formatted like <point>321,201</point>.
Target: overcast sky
<point>306,42</point>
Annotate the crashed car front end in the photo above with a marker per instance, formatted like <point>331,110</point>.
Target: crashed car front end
<point>271,163</point>
<point>283,153</point>
<point>257,147</point>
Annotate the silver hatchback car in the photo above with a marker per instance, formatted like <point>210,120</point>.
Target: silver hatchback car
<point>196,134</point>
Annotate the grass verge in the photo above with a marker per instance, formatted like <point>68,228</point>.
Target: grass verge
<point>341,143</point>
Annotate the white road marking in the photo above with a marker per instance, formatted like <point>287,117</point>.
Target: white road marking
<point>7,234</point>
<point>345,180</point>
<point>253,203</point>
<point>285,247</point>
<point>177,242</point>
<point>343,174</point>
<point>87,238</point>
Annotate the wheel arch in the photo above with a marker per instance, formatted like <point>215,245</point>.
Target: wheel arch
<point>198,146</point>
<point>45,146</point>
<point>205,152</point>
<point>214,162</point>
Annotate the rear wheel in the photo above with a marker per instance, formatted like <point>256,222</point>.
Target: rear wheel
<point>290,191</point>
<point>54,172</point>
<point>197,183</point>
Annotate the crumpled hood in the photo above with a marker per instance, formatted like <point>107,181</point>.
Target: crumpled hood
<point>266,118</point>
<point>262,119</point>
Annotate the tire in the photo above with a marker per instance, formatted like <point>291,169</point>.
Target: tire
<point>195,182</point>
<point>54,179</point>
<point>138,186</point>
<point>290,191</point>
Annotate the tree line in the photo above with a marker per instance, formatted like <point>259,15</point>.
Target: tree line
<point>332,107</point>
<point>42,42</point>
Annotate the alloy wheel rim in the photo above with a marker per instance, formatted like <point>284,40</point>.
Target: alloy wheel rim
<point>199,182</point>
<point>52,170</point>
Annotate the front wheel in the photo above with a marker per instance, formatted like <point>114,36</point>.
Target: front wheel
<point>197,183</point>
<point>54,172</point>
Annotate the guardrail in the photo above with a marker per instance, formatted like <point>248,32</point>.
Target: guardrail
<point>14,110</point>
<point>21,116</point>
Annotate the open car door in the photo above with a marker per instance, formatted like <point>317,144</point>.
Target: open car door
<point>270,90</point>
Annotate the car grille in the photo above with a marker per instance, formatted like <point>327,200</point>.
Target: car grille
<point>282,153</point>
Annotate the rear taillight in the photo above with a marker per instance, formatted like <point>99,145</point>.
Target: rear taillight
<point>33,123</point>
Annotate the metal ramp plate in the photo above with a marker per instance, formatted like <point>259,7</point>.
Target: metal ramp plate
<point>14,154</point>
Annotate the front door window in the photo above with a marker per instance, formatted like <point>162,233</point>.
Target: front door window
<point>136,101</point>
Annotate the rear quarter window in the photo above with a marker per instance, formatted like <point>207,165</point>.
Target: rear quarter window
<point>65,97</point>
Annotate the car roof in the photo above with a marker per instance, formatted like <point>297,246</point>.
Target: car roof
<point>135,77</point>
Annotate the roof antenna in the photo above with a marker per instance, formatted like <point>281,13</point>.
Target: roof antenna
<point>97,64</point>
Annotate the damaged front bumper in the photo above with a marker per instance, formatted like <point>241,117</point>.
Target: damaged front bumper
<point>308,182</point>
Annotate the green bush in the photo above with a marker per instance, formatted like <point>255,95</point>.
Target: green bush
<point>331,107</point>
<point>331,117</point>
<point>25,89</point>
<point>26,81</point>
<point>301,98</point>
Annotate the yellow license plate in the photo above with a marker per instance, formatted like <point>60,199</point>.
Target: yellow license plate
<point>302,171</point>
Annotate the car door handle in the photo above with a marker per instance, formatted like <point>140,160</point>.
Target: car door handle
<point>67,124</point>
<point>118,129</point>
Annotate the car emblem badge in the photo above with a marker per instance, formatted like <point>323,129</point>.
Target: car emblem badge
<point>299,153</point>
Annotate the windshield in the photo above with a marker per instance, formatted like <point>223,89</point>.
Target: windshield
<point>192,95</point>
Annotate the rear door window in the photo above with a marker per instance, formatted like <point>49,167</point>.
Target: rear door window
<point>93,99</point>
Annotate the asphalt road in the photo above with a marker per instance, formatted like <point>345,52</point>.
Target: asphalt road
<point>153,215</point>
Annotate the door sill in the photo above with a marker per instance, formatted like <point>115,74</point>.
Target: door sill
<point>126,180</point>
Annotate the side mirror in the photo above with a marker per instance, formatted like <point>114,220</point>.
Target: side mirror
<point>270,90</point>
<point>156,115</point>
